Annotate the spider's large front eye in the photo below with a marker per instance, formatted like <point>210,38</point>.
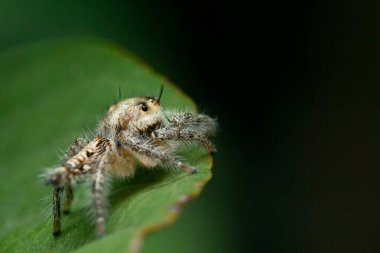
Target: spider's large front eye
<point>144,107</point>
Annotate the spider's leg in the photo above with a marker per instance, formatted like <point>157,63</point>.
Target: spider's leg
<point>57,178</point>
<point>68,196</point>
<point>60,178</point>
<point>97,193</point>
<point>143,148</point>
<point>57,210</point>
<point>195,121</point>
<point>74,149</point>
<point>183,134</point>
<point>77,166</point>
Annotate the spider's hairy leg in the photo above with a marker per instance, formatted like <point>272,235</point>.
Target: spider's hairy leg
<point>183,134</point>
<point>57,178</point>
<point>188,126</point>
<point>69,196</point>
<point>73,169</point>
<point>143,148</point>
<point>74,149</point>
<point>190,120</point>
<point>57,210</point>
<point>97,193</point>
<point>79,164</point>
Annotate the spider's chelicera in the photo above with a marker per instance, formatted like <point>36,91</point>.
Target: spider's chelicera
<point>133,129</point>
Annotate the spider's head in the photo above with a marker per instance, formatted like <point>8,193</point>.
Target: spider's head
<point>138,114</point>
<point>145,113</point>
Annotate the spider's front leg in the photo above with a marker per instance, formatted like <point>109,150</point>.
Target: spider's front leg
<point>180,134</point>
<point>57,210</point>
<point>69,196</point>
<point>74,149</point>
<point>142,148</point>
<point>73,169</point>
<point>97,195</point>
<point>58,178</point>
<point>197,122</point>
<point>188,127</point>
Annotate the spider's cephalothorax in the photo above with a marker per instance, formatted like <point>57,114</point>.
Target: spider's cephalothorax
<point>133,129</point>
<point>135,115</point>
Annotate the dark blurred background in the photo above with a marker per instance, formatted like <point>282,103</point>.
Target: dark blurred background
<point>295,86</point>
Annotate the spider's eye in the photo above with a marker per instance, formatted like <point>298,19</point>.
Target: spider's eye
<point>144,107</point>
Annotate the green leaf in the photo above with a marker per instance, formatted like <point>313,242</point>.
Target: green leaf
<point>50,93</point>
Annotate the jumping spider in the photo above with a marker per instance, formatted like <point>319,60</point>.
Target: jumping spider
<point>133,129</point>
